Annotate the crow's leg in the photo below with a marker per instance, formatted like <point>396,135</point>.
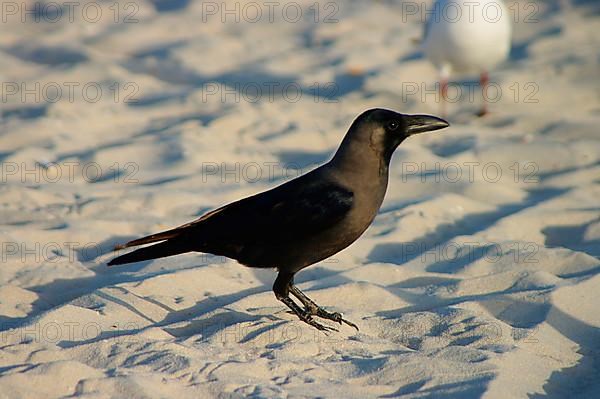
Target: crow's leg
<point>282,291</point>
<point>315,309</point>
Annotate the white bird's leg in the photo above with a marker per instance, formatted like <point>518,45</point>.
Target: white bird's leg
<point>483,82</point>
<point>443,95</point>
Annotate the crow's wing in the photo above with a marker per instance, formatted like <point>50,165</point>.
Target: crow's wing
<point>292,211</point>
<point>302,211</point>
<point>288,212</point>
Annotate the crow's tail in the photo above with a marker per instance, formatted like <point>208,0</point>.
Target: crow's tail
<point>161,250</point>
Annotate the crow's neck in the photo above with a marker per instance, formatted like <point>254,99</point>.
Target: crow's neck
<point>356,161</point>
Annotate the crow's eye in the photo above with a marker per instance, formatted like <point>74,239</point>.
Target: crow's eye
<point>393,125</point>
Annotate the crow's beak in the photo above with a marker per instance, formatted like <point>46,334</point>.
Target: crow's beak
<point>423,123</point>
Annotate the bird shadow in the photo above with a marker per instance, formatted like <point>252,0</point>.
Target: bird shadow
<point>61,291</point>
<point>206,327</point>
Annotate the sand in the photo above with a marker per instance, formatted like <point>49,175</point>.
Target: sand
<point>477,279</point>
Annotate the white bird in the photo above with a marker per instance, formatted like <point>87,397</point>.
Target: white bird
<point>467,37</point>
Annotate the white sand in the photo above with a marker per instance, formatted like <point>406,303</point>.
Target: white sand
<point>473,285</point>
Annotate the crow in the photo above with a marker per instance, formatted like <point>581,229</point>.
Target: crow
<point>304,220</point>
